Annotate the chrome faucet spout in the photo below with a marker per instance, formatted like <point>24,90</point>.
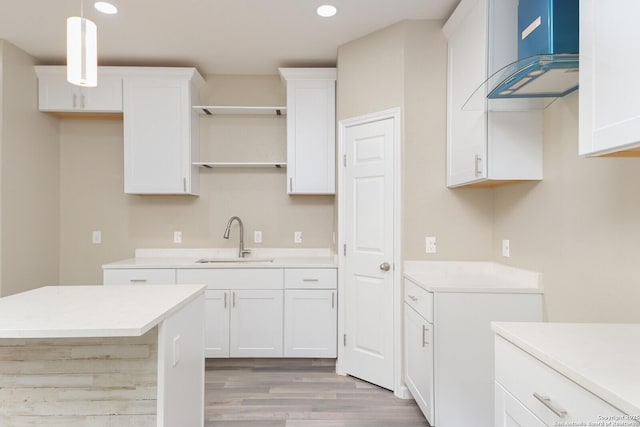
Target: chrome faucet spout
<point>241,250</point>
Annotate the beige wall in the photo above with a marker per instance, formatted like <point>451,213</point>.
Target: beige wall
<point>405,66</point>
<point>29,153</point>
<point>92,198</point>
<point>578,226</point>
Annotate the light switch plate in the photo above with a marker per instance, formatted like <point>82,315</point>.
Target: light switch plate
<point>257,237</point>
<point>177,237</point>
<point>297,237</point>
<point>96,237</point>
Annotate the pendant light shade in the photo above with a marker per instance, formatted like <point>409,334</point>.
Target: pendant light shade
<point>82,52</point>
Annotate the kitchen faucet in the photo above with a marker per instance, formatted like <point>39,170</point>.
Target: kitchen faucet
<point>241,250</point>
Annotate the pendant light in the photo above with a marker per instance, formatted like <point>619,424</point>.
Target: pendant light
<point>82,51</point>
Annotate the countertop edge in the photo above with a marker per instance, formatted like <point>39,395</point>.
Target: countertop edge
<point>468,289</point>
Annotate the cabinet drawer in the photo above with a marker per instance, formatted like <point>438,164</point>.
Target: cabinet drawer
<point>310,278</point>
<point>419,299</point>
<point>233,279</point>
<point>522,375</point>
<point>140,276</point>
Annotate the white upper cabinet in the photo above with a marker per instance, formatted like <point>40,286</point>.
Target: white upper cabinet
<point>487,144</point>
<point>609,63</point>
<point>161,130</point>
<point>56,94</point>
<point>311,125</point>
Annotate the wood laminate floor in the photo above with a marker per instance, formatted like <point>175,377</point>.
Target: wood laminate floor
<point>298,393</point>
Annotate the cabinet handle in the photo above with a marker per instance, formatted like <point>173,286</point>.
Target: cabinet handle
<point>82,101</point>
<point>425,342</point>
<point>310,280</point>
<point>233,299</point>
<point>184,185</point>
<point>225,300</point>
<point>290,185</point>
<point>138,280</point>
<point>412,298</point>
<point>75,100</point>
<point>478,164</point>
<point>547,402</point>
<point>333,300</point>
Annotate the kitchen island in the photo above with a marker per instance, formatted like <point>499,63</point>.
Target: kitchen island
<point>103,356</point>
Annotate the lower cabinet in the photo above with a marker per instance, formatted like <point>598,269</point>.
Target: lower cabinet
<point>418,338</point>
<point>256,323</point>
<point>310,328</point>
<point>243,323</point>
<point>257,312</point>
<point>216,327</point>
<point>530,393</point>
<point>448,349</point>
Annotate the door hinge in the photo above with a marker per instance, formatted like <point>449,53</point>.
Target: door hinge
<point>344,160</point>
<point>344,249</point>
<point>344,340</point>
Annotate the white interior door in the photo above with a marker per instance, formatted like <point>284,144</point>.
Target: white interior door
<point>369,238</point>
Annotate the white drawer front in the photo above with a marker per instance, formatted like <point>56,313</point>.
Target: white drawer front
<point>140,276</point>
<point>228,278</point>
<point>419,299</point>
<point>310,278</point>
<point>524,377</point>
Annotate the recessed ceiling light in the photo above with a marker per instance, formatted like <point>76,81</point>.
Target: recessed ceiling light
<point>105,7</point>
<point>326,10</point>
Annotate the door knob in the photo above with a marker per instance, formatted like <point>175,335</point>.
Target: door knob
<point>385,266</point>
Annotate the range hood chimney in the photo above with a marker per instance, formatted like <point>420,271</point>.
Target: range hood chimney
<point>548,46</point>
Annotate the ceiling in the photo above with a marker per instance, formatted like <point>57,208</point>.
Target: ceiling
<point>216,36</point>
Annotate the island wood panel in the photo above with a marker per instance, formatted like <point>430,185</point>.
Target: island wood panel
<point>79,381</point>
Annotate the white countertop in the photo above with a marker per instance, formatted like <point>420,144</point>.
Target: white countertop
<point>186,258</point>
<point>472,276</point>
<point>603,358</point>
<point>91,311</point>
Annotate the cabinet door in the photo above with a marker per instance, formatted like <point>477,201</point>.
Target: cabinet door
<point>467,69</point>
<point>418,340</point>
<point>216,328</point>
<point>609,116</point>
<point>157,132</point>
<point>509,412</point>
<point>55,93</point>
<point>256,323</point>
<point>310,322</point>
<point>139,276</point>
<point>311,136</point>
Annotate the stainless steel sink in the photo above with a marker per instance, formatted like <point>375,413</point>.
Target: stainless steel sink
<point>234,259</point>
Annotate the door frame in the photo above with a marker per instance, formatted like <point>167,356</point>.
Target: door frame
<point>400,389</point>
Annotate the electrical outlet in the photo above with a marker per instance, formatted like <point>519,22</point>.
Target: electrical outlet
<point>257,237</point>
<point>96,237</point>
<point>505,248</point>
<point>430,245</point>
<point>177,237</point>
<point>297,237</point>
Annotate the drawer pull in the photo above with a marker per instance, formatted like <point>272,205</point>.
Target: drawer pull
<point>412,298</point>
<point>225,300</point>
<point>424,340</point>
<point>333,300</point>
<point>547,402</point>
<point>138,280</point>
<point>310,280</point>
